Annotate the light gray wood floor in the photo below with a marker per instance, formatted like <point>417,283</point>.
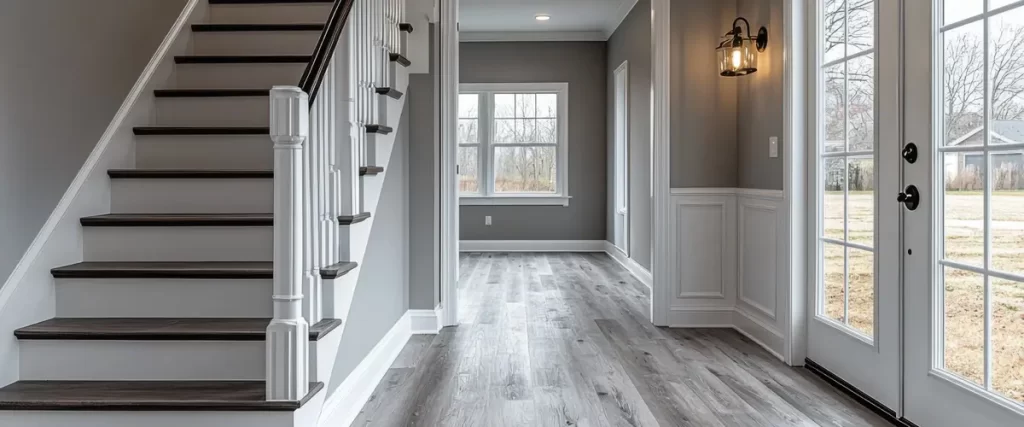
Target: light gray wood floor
<point>564,340</point>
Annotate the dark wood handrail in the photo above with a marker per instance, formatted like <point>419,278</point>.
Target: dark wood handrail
<point>313,77</point>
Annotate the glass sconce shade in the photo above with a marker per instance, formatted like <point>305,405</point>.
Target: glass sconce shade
<point>737,60</point>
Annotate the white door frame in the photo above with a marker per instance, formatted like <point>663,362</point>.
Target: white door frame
<point>448,69</point>
<point>663,270</point>
<point>798,122</point>
<point>623,163</point>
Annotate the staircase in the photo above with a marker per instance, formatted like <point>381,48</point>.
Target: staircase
<point>213,290</point>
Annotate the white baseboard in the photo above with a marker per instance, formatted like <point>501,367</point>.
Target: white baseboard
<point>759,332</point>
<point>531,246</point>
<point>642,274</point>
<point>703,317</point>
<point>342,407</point>
<point>425,322</point>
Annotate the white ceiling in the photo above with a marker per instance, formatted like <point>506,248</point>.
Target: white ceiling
<point>516,19</point>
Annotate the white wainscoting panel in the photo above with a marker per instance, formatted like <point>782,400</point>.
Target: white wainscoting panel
<point>704,226</point>
<point>730,257</point>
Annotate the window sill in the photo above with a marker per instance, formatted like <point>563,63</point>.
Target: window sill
<point>514,201</point>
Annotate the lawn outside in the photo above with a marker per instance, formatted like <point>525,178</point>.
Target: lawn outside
<point>964,291</point>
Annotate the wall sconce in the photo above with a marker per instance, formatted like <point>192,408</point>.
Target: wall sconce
<point>737,55</point>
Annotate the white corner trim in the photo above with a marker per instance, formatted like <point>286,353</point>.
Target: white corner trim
<point>531,246</point>
<point>57,216</point>
<point>532,36</point>
<point>514,200</point>
<point>620,15</point>
<point>342,407</point>
<point>638,271</point>
<point>425,322</point>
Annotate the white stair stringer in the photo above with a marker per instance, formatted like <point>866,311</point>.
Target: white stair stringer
<point>338,293</point>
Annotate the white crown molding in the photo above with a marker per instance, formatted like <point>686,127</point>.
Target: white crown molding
<point>620,15</point>
<point>532,36</point>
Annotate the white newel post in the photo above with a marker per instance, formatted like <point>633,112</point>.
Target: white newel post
<point>288,332</point>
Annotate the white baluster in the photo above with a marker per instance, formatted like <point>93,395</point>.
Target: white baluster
<point>288,332</point>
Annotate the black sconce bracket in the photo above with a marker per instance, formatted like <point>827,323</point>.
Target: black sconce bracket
<point>760,42</point>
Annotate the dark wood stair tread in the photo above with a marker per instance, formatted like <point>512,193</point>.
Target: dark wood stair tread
<point>381,129</point>
<point>337,270</point>
<point>390,92</point>
<point>144,396</point>
<point>370,170</point>
<point>189,173</point>
<point>208,28</point>
<point>201,130</point>
<point>242,59</point>
<point>401,59</point>
<point>210,93</point>
<point>353,219</point>
<point>166,270</point>
<point>160,329</point>
<point>179,220</point>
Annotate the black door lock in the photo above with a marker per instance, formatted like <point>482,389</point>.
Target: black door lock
<point>910,153</point>
<point>910,197</point>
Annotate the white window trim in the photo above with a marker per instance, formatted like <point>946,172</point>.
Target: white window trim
<point>561,196</point>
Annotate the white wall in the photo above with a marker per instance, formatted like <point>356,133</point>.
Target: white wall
<point>730,251</point>
<point>67,66</point>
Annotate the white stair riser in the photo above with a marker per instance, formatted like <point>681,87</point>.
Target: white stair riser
<point>146,418</point>
<point>237,76</point>
<point>164,298</point>
<point>192,196</point>
<point>130,244</point>
<point>255,42</point>
<point>214,111</point>
<point>142,360</point>
<point>148,360</point>
<point>309,13</point>
<point>204,152</point>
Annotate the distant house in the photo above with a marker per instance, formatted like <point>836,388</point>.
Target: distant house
<point>1007,166</point>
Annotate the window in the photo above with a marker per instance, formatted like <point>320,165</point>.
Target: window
<point>513,144</point>
<point>846,166</point>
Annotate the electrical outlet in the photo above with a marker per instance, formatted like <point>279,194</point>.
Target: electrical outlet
<point>487,220</point>
<point>773,147</point>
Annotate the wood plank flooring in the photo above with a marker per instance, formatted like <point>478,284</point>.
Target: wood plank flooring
<point>564,340</point>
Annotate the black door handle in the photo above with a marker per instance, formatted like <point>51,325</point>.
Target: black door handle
<point>910,197</point>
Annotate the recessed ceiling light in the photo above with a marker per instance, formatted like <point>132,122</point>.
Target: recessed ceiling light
<point>543,17</point>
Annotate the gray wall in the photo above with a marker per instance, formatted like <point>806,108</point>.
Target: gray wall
<point>703,105</point>
<point>68,65</point>
<point>424,186</point>
<point>582,65</point>
<point>760,101</point>
<point>381,296</point>
<point>632,42</point>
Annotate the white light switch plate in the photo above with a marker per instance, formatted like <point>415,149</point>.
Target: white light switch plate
<point>773,147</point>
<point>487,220</point>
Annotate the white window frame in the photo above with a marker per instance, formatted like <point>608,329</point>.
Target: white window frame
<point>485,152</point>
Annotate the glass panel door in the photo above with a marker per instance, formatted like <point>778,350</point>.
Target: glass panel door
<point>964,245</point>
<point>854,330</point>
